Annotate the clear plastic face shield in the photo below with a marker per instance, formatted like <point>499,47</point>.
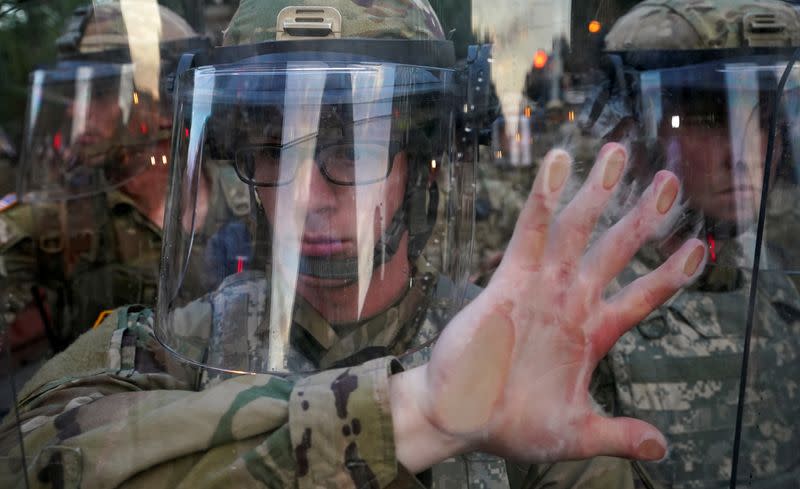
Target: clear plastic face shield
<point>88,129</point>
<point>723,357</point>
<point>360,223</point>
<point>710,124</point>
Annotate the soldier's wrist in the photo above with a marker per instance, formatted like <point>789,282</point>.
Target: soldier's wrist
<point>419,443</point>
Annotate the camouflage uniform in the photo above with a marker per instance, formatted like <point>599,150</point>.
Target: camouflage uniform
<point>242,429</point>
<point>88,244</point>
<point>119,266</point>
<point>681,368</point>
<point>117,410</point>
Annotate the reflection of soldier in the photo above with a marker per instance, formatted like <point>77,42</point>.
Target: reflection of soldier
<point>94,177</point>
<point>341,150</point>
<point>706,115</point>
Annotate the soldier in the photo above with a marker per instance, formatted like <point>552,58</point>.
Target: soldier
<point>339,120</point>
<point>94,176</point>
<point>704,79</point>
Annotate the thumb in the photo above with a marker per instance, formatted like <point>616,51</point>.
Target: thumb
<point>622,437</point>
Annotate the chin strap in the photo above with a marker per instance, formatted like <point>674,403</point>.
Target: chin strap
<point>347,268</point>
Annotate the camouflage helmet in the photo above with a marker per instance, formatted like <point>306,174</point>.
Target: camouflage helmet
<point>705,24</point>
<point>255,20</point>
<point>350,99</point>
<point>694,83</point>
<point>668,34</point>
<point>107,26</point>
<point>151,36</point>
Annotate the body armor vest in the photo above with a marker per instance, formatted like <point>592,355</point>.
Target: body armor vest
<point>680,370</point>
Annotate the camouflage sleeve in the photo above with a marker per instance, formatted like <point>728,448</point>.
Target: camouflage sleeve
<point>341,427</point>
<point>116,419</point>
<point>21,313</point>
<point>17,262</point>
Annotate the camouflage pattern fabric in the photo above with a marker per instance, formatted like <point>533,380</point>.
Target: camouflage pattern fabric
<point>120,392</point>
<point>782,223</point>
<point>702,24</point>
<point>117,388</point>
<point>680,370</point>
<point>116,410</point>
<point>121,266</point>
<point>255,20</point>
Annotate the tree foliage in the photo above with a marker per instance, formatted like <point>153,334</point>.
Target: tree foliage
<point>28,33</point>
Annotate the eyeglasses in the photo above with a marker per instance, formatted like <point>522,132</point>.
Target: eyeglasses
<point>349,164</point>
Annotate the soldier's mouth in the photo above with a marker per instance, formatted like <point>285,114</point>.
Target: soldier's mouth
<point>324,246</point>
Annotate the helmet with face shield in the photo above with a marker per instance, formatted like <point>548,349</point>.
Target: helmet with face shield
<point>340,118</point>
<point>97,132</point>
<point>694,88</point>
<point>101,114</point>
<point>709,90</point>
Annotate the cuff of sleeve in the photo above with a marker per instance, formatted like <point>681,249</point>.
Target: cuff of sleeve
<point>341,427</point>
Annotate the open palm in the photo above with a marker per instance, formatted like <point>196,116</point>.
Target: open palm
<point>510,373</point>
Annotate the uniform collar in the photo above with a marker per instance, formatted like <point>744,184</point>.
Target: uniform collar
<point>388,333</point>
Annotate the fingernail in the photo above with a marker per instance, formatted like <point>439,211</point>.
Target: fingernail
<point>651,450</point>
<point>614,167</point>
<point>557,173</point>
<point>666,197</point>
<point>691,264</point>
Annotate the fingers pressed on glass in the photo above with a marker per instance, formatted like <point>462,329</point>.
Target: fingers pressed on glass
<point>577,221</point>
<point>533,226</point>
<point>634,302</point>
<point>613,251</point>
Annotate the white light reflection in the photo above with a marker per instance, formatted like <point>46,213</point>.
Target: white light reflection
<point>747,168</point>
<point>143,24</point>
<point>35,104</point>
<point>83,99</point>
<point>372,95</point>
<point>302,106</point>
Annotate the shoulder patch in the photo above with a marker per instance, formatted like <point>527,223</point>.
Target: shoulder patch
<point>9,201</point>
